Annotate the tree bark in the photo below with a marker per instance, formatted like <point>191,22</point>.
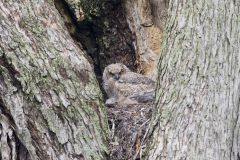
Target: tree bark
<point>197,97</point>
<point>50,102</point>
<point>141,20</point>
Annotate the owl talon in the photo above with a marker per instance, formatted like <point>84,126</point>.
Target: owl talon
<point>111,101</point>
<point>120,81</point>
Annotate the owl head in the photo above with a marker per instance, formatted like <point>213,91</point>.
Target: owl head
<point>114,71</point>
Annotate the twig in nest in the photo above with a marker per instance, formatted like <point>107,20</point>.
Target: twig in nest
<point>140,148</point>
<point>112,129</point>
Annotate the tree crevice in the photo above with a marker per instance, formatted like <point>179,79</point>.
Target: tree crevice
<point>11,71</point>
<point>104,35</point>
<point>16,147</point>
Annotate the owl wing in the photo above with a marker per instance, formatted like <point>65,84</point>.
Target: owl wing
<point>132,83</point>
<point>143,97</point>
<point>135,78</point>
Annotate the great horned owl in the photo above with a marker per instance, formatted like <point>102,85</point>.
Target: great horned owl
<point>126,87</point>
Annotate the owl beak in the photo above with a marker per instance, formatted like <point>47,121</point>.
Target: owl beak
<point>116,76</point>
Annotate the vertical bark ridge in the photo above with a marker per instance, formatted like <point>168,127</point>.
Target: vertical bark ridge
<point>197,110</point>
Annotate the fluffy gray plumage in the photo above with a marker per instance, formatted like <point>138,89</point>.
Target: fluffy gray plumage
<point>126,87</point>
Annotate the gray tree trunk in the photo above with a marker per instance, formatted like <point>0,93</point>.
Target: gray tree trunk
<point>198,90</point>
<point>50,103</point>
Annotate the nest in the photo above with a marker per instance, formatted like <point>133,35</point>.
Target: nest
<point>128,124</point>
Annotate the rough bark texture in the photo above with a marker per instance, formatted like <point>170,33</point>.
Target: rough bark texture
<point>141,16</point>
<point>84,9</point>
<point>51,106</point>
<point>197,97</point>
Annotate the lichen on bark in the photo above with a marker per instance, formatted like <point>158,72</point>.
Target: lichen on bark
<point>84,9</point>
<point>197,97</point>
<point>47,86</point>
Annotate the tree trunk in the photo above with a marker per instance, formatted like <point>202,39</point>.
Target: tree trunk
<point>50,102</point>
<point>140,16</point>
<point>197,97</point>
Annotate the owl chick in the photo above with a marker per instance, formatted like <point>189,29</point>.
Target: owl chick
<point>126,87</point>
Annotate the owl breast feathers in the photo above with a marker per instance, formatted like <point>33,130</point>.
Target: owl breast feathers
<point>126,87</point>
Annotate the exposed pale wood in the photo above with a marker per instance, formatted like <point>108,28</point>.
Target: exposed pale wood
<point>140,16</point>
